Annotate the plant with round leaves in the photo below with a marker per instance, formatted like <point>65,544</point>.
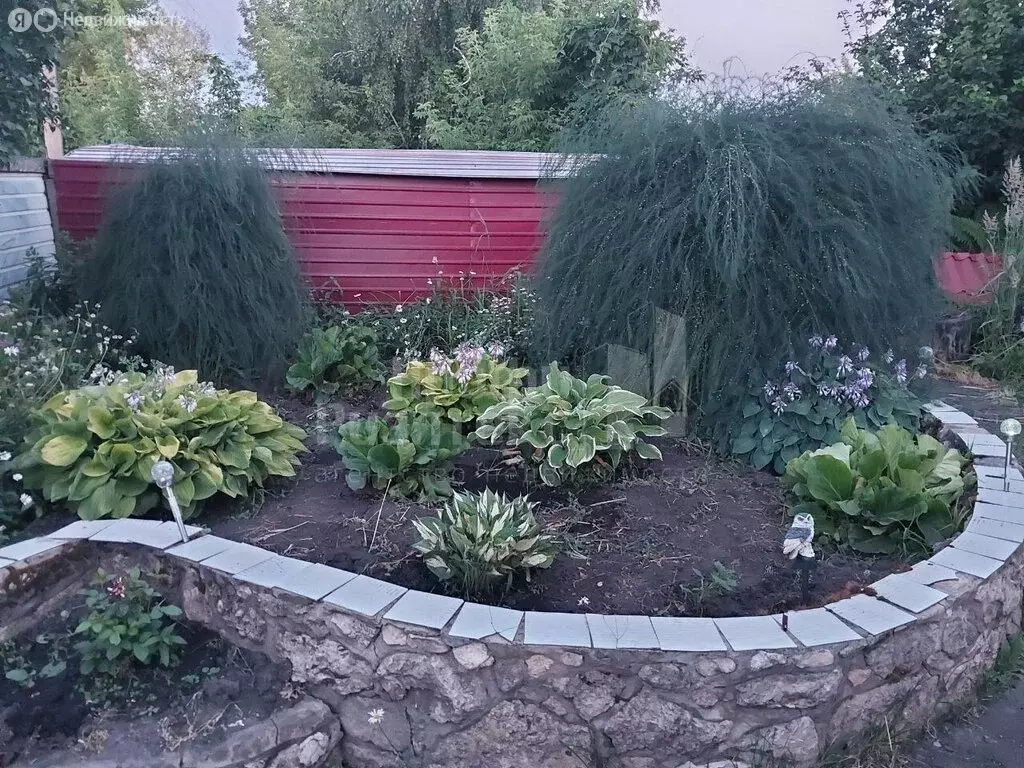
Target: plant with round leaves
<point>888,493</point>
<point>334,359</point>
<point>459,388</point>
<point>94,448</point>
<point>409,458</point>
<point>481,541</point>
<point>572,429</point>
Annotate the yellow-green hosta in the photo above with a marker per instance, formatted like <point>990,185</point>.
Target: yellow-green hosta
<point>481,540</point>
<point>94,448</point>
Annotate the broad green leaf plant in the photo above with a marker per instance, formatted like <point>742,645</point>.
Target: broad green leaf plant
<point>409,458</point>
<point>890,493</point>
<point>482,541</point>
<point>458,389</point>
<point>94,448</point>
<point>335,359</point>
<point>573,430</point>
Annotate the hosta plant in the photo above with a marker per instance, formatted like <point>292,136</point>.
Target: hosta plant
<point>457,388</point>
<point>128,622</point>
<point>572,429</point>
<point>409,458</point>
<point>804,406</point>
<point>335,359</point>
<point>482,541</point>
<point>94,447</point>
<point>880,493</point>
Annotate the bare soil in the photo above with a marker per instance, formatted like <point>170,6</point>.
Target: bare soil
<point>629,547</point>
<point>216,687</point>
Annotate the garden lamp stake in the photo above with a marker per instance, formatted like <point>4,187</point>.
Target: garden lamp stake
<point>796,545</point>
<point>163,476</point>
<point>1010,429</point>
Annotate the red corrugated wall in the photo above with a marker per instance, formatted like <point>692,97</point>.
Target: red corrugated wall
<point>376,238</point>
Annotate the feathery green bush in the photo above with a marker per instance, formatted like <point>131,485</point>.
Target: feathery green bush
<point>192,256</point>
<point>755,220</point>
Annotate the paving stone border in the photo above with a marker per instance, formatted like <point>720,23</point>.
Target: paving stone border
<point>463,685</point>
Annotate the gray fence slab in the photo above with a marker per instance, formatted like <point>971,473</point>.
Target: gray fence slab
<point>929,573</point>
<point>556,629</point>
<point>687,634</point>
<point>907,593</point>
<point>997,549</point>
<point>817,627</point>
<point>29,548</point>
<point>80,529</point>
<point>966,562</point>
<point>997,529</point>
<point>477,621</point>
<point>752,633</point>
<point>621,631</point>
<point>317,581</point>
<point>999,512</point>
<point>365,595</point>
<point>424,609</point>
<point>237,557</point>
<point>870,614</point>
<point>202,548</point>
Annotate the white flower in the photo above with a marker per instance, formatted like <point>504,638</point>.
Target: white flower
<point>376,716</point>
<point>583,601</point>
<point>26,501</point>
<point>5,456</point>
<point>398,308</point>
<point>12,351</point>
<point>17,477</point>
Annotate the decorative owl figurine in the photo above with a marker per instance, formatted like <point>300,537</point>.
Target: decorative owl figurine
<point>799,537</point>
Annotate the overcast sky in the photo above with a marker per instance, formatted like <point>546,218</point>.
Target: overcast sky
<point>765,35</point>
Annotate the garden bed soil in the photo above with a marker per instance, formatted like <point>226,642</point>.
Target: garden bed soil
<point>630,546</point>
<point>215,688</point>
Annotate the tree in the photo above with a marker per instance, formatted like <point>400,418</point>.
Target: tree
<point>527,75</point>
<point>955,65</point>
<point>26,98</point>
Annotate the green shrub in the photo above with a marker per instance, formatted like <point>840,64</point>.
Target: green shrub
<point>885,493</point>
<point>804,407</point>
<point>128,621</point>
<point>480,541</point>
<point>192,255</point>
<point>458,389</point>
<point>335,359</point>
<point>754,216</point>
<point>572,429</point>
<point>95,447</point>
<point>410,458</point>
<point>454,313</point>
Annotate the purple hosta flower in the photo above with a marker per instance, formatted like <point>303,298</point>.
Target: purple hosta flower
<point>496,350</point>
<point>845,365</point>
<point>816,341</point>
<point>863,354</point>
<point>791,391</point>
<point>901,371</point>
<point>921,371</point>
<point>439,364</point>
<point>770,390</point>
<point>465,374</point>
<point>778,405</point>
<point>859,399</point>
<point>888,356</point>
<point>827,390</point>
<point>830,343</point>
<point>135,400</point>
<point>865,378</point>
<point>792,366</point>
<point>187,403</point>
<point>468,356</point>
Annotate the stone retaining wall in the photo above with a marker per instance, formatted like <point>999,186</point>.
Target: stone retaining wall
<point>459,685</point>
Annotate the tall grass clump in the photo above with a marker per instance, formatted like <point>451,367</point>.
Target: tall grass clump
<point>752,221</point>
<point>192,256</point>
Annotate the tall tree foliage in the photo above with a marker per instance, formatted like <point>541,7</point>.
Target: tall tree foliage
<point>755,221</point>
<point>25,96</point>
<point>956,65</point>
<point>528,74</point>
<point>192,255</point>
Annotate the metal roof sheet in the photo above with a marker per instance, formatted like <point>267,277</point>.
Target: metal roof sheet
<point>966,278</point>
<point>370,162</point>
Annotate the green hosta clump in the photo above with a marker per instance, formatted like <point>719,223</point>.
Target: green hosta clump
<point>335,359</point>
<point>885,493</point>
<point>409,458</point>
<point>94,447</point>
<point>459,388</point>
<point>482,540</point>
<point>570,428</point>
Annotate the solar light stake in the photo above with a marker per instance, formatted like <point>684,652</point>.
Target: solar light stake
<point>1010,429</point>
<point>163,476</point>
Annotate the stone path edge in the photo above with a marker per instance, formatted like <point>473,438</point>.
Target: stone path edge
<point>900,601</point>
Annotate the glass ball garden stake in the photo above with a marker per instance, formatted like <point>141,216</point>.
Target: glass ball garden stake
<point>796,545</point>
<point>1010,429</point>
<point>163,476</point>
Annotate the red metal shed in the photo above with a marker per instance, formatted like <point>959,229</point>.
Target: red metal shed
<point>373,224</point>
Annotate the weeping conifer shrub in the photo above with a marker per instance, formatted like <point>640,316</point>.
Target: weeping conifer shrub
<point>192,255</point>
<point>750,222</point>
